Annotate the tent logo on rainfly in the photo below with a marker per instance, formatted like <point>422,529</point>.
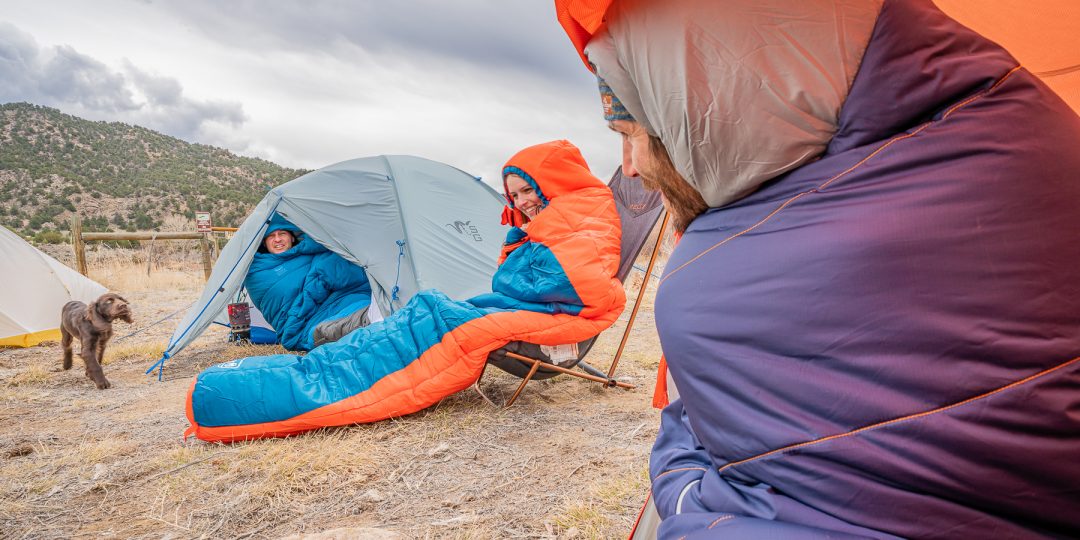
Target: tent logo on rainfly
<point>466,228</point>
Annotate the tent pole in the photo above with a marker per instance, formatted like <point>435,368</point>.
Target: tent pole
<point>640,295</point>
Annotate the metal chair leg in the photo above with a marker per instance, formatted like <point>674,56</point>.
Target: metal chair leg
<point>532,371</point>
<point>595,376</point>
<point>640,296</point>
<point>476,386</point>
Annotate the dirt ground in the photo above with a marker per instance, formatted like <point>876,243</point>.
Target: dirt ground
<point>568,460</point>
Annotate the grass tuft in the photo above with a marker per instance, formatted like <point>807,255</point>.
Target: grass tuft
<point>591,517</point>
<point>133,351</point>
<point>33,374</point>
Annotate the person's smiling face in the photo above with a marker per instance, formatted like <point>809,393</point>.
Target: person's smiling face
<point>524,196</point>
<point>278,241</point>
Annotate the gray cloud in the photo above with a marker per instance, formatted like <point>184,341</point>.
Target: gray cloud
<point>509,35</point>
<point>76,83</point>
<point>167,110</point>
<point>18,58</point>
<point>70,77</point>
<point>158,90</point>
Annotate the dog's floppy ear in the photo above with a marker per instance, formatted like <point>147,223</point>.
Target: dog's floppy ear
<point>91,309</point>
<point>98,312</point>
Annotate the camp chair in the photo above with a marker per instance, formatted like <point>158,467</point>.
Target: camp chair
<point>639,210</point>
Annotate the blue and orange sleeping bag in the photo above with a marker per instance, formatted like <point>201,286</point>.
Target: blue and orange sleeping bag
<point>556,284</point>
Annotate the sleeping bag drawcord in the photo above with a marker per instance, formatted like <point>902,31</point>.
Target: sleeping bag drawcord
<point>397,278</point>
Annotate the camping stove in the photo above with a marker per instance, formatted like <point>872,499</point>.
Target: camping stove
<point>239,323</point>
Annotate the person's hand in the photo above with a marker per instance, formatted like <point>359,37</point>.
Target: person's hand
<point>515,237</point>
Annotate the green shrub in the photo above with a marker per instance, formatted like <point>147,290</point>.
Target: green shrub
<point>49,236</point>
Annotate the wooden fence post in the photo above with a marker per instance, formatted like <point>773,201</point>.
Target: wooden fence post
<point>150,254</point>
<point>206,265</point>
<point>78,245</point>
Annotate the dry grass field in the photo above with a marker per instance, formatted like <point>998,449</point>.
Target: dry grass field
<point>568,460</point>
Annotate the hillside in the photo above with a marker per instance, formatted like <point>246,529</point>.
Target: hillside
<point>116,176</point>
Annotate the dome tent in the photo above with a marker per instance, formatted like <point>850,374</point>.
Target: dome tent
<point>37,286</point>
<point>412,223</point>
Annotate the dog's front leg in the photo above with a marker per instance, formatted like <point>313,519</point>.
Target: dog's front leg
<point>65,342</point>
<point>90,351</point>
<point>102,340</point>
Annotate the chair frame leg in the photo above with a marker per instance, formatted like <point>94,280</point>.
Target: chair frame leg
<point>640,295</point>
<point>476,386</point>
<point>536,365</point>
<point>532,371</point>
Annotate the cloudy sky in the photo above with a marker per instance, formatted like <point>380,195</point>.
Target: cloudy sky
<point>307,84</point>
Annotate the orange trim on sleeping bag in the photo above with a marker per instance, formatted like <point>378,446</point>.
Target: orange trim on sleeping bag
<point>447,368</point>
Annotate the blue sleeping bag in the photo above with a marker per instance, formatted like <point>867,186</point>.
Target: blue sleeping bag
<point>304,286</point>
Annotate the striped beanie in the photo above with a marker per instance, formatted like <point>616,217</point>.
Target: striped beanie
<point>613,108</point>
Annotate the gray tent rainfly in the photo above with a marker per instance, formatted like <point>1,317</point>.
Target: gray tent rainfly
<point>412,223</point>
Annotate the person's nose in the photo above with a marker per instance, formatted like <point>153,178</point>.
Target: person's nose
<point>628,168</point>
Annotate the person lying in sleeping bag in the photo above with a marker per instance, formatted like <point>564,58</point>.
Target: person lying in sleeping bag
<point>872,316</point>
<point>555,284</point>
<point>298,284</point>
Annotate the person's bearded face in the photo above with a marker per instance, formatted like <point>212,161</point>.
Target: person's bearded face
<point>646,157</point>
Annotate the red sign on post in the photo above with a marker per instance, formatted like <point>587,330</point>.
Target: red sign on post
<point>202,222</point>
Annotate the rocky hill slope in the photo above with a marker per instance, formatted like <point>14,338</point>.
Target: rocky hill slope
<point>116,176</point>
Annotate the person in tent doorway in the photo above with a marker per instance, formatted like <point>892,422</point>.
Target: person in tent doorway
<point>304,290</point>
<point>279,241</point>
<point>873,313</point>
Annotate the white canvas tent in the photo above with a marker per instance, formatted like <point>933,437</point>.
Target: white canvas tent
<point>36,287</point>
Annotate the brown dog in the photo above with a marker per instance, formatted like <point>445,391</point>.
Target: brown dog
<point>93,326</point>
